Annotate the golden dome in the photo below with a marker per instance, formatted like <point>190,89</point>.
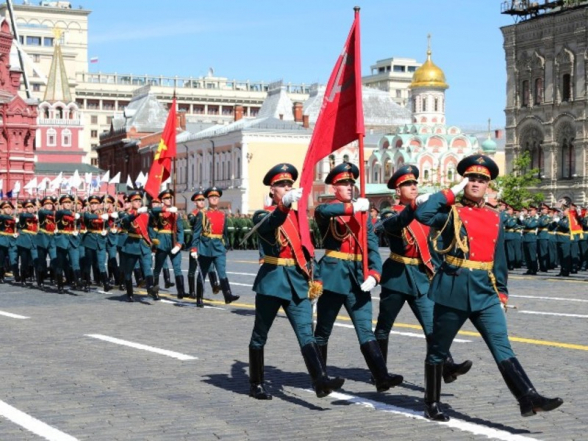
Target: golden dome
<point>429,75</point>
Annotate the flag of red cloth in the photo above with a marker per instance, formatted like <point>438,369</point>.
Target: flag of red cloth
<point>340,120</point>
<point>166,152</point>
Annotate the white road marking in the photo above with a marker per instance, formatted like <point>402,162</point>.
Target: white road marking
<point>193,305</point>
<point>243,274</point>
<point>405,334</point>
<point>242,284</point>
<point>32,424</point>
<point>11,315</point>
<point>553,313</point>
<point>130,344</point>
<point>561,299</point>
<point>453,423</point>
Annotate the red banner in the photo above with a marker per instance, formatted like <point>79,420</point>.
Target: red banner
<point>340,120</point>
<point>166,152</point>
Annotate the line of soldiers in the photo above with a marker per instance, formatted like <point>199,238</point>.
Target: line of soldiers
<point>543,238</point>
<point>446,277</point>
<point>67,240</point>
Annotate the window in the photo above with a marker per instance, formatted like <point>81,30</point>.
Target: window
<point>51,136</point>
<point>36,58</point>
<point>59,112</point>
<point>94,162</point>
<point>381,70</point>
<point>566,93</point>
<point>424,103</point>
<point>538,92</point>
<point>34,41</point>
<point>331,161</point>
<point>426,175</point>
<point>48,41</point>
<point>94,119</point>
<point>36,87</point>
<point>436,104</point>
<point>567,160</point>
<point>66,138</point>
<point>411,68</point>
<point>450,175</point>
<point>525,94</point>
<point>109,119</point>
<point>399,68</point>
<point>94,133</point>
<point>345,158</point>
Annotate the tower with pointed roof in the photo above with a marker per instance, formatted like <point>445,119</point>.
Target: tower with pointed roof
<point>17,119</point>
<point>59,123</point>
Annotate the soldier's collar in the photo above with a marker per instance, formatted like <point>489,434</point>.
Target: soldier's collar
<point>469,203</point>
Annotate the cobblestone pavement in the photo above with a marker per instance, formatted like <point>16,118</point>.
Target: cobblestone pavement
<point>72,367</point>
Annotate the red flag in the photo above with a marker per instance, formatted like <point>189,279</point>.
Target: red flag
<point>340,120</point>
<point>166,152</point>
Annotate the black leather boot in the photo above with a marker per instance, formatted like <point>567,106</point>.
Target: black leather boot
<point>226,288</point>
<point>1,275</point>
<point>60,282</point>
<point>191,289</point>
<point>121,279</point>
<point>15,274</point>
<point>521,387</point>
<point>80,284</point>
<point>433,409</point>
<point>139,279</point>
<point>39,273</point>
<point>152,290</point>
<point>321,383</point>
<point>166,279</point>
<point>180,284</point>
<point>129,288</point>
<point>256,368</point>
<point>105,282</point>
<point>452,370</point>
<point>214,283</point>
<point>377,366</point>
<point>324,350</point>
<point>199,293</point>
<point>383,344</point>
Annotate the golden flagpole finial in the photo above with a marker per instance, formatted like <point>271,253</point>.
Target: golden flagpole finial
<point>57,33</point>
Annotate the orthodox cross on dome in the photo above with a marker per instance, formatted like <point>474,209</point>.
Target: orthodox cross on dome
<point>429,45</point>
<point>489,121</point>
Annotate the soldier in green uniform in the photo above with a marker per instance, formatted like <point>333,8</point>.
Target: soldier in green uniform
<point>553,258</point>
<point>208,242</point>
<point>45,238</point>
<point>170,231</point>
<point>95,239</point>
<point>67,243</point>
<point>543,238</point>
<point>530,224</point>
<point>230,232</point>
<point>195,277</point>
<point>110,208</point>
<point>564,239</point>
<point>577,235</point>
<point>406,272</point>
<point>341,271</point>
<point>137,246</point>
<point>283,282</point>
<point>471,284</point>
<point>518,239</point>
<point>27,227</point>
<point>8,237</point>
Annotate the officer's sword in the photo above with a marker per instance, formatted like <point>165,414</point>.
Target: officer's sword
<point>253,230</point>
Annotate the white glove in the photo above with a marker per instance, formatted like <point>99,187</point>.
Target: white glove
<point>422,199</point>
<point>15,235</point>
<point>194,255</point>
<point>522,217</point>
<point>536,216</point>
<point>114,230</point>
<point>369,284</point>
<point>104,216</point>
<point>173,209</point>
<point>77,216</point>
<point>361,204</point>
<point>114,215</point>
<point>291,197</point>
<point>142,210</point>
<point>175,249</point>
<point>75,233</point>
<point>459,187</point>
<point>556,219</point>
<point>104,232</point>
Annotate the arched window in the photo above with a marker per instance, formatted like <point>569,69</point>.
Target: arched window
<point>538,92</point>
<point>424,104</point>
<point>566,85</point>
<point>66,138</point>
<point>426,175</point>
<point>567,160</point>
<point>436,104</point>
<point>51,137</point>
<point>525,94</point>
<point>59,112</point>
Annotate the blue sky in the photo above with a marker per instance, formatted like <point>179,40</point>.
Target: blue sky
<point>299,41</point>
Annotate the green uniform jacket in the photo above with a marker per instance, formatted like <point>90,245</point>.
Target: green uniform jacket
<point>65,221</point>
<point>543,232</point>
<point>91,240</point>
<point>161,221</point>
<point>396,276</point>
<point>208,246</point>
<point>339,275</point>
<point>530,229</point>
<point>46,222</point>
<point>283,282</point>
<point>134,245</point>
<point>462,288</point>
<point>511,231</point>
<point>7,222</point>
<point>27,222</point>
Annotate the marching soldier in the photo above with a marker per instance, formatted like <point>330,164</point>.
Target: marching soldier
<point>27,227</point>
<point>530,223</point>
<point>208,242</point>
<point>576,235</point>
<point>67,243</point>
<point>553,257</point>
<point>137,246</point>
<point>110,208</point>
<point>283,282</point>
<point>95,239</point>
<point>8,235</point>
<point>564,239</point>
<point>511,235</point>
<point>543,238</point>
<point>156,203</point>
<point>471,284</point>
<point>341,270</point>
<point>195,277</point>
<point>406,273</point>
<point>45,239</point>
<point>170,230</point>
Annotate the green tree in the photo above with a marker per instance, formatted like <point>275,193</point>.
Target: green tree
<point>514,187</point>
